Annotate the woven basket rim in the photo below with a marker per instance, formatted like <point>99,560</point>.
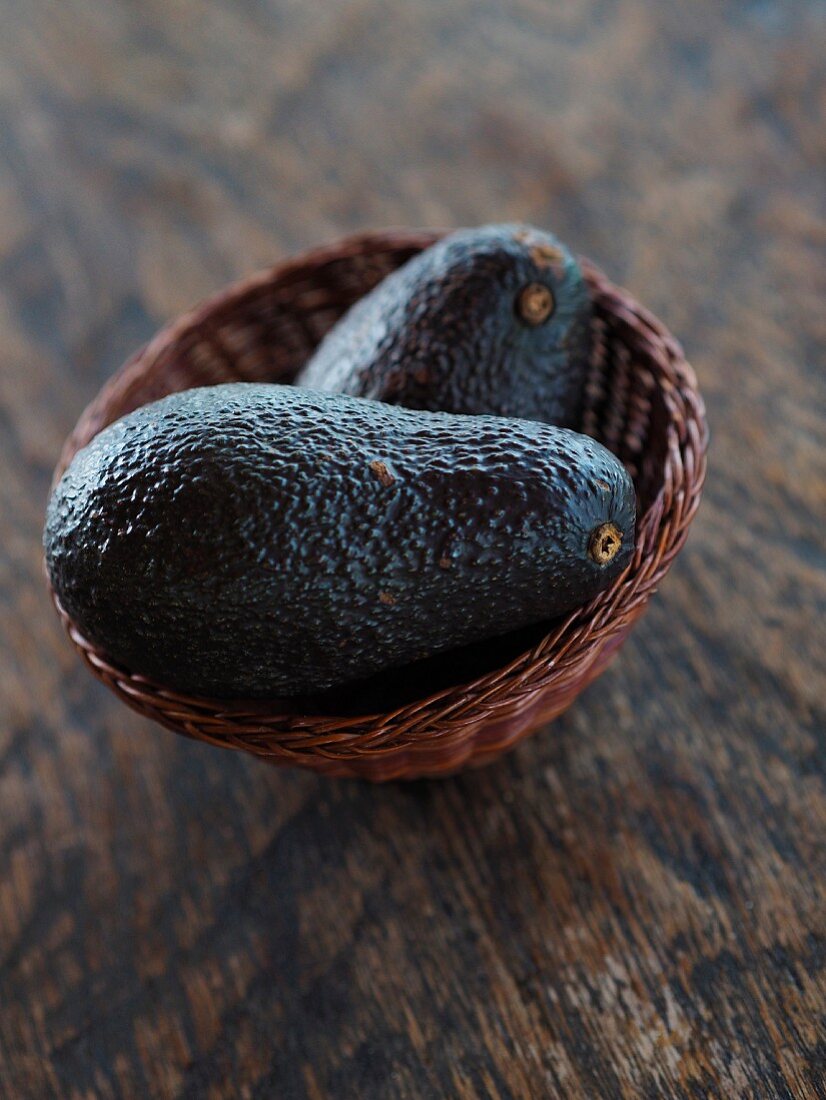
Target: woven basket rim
<point>567,651</point>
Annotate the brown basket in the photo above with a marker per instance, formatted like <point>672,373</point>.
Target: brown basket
<point>642,402</point>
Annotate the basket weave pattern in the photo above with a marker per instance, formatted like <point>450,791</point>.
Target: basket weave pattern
<point>642,402</point>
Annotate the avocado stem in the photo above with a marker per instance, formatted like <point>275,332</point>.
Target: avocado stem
<point>604,543</point>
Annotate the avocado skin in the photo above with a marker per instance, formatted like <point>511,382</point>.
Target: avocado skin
<point>442,332</point>
<point>245,540</point>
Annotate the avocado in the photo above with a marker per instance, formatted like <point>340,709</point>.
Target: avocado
<point>247,540</point>
<point>493,320</point>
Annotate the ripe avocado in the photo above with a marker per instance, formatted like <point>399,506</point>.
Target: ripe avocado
<point>246,540</point>
<point>490,320</point>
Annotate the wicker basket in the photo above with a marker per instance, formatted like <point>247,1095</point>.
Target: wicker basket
<point>642,402</point>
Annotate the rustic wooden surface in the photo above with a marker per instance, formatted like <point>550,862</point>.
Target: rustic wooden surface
<point>632,904</point>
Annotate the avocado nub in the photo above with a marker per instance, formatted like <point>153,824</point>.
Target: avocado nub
<point>254,541</point>
<point>494,320</point>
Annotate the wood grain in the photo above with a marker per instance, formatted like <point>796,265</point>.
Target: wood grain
<point>632,904</point>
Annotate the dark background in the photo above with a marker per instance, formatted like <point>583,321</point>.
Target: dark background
<point>631,904</point>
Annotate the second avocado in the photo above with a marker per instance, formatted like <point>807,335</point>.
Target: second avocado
<point>493,320</point>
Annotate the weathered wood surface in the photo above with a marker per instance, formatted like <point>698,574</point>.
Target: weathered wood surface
<point>632,904</point>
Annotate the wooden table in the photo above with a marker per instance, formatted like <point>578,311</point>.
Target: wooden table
<point>632,904</point>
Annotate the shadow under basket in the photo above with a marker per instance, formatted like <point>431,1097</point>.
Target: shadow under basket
<point>642,402</point>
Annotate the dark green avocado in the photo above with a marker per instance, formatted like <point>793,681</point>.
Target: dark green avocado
<point>493,320</point>
<point>260,540</point>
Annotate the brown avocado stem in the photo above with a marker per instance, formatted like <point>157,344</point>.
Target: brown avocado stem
<point>604,543</point>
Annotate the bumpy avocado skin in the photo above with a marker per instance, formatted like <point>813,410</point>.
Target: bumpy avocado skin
<point>244,541</point>
<point>444,332</point>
